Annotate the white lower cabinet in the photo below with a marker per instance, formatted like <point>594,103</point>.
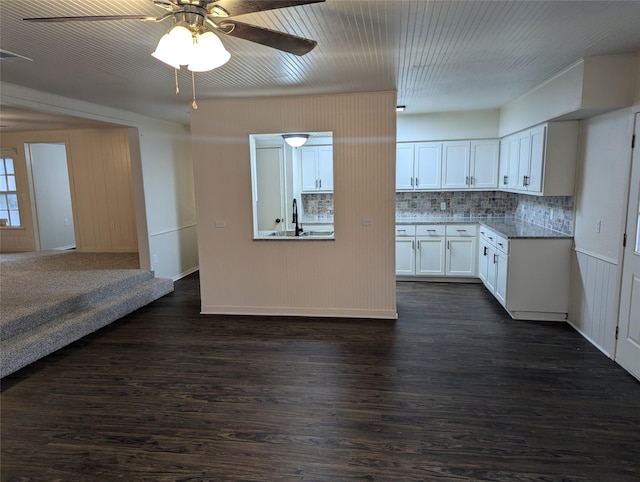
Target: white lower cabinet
<point>405,250</point>
<point>461,250</point>
<point>438,250</point>
<point>430,256</point>
<point>529,276</point>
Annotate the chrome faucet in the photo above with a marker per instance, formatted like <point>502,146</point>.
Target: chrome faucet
<point>295,218</point>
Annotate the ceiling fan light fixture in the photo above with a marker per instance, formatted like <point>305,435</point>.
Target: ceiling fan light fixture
<point>175,47</point>
<point>207,53</point>
<point>295,140</point>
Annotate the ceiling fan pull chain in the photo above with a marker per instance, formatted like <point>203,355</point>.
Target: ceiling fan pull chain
<point>193,87</point>
<point>175,72</point>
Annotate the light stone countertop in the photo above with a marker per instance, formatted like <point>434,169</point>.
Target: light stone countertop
<point>509,227</point>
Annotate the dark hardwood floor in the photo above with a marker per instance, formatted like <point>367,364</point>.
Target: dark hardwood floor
<point>453,390</point>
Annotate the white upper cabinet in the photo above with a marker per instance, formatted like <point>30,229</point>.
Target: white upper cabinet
<point>455,165</point>
<point>404,166</point>
<point>452,165</point>
<point>541,160</point>
<point>317,168</point>
<point>483,165</point>
<point>418,165</point>
<point>470,164</point>
<point>428,159</point>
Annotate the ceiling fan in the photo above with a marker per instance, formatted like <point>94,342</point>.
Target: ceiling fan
<point>201,16</point>
<point>192,39</point>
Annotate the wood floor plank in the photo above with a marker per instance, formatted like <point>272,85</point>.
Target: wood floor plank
<point>454,390</point>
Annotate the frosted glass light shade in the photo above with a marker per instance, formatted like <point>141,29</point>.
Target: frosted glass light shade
<point>176,47</point>
<point>207,53</point>
<point>295,140</point>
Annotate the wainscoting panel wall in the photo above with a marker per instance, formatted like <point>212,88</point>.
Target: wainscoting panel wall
<point>594,307</point>
<point>353,275</point>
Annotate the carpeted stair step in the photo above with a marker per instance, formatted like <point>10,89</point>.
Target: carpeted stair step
<point>69,292</point>
<point>45,338</point>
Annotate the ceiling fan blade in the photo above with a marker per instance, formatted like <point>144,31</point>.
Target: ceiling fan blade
<point>271,38</point>
<point>233,8</point>
<point>90,18</point>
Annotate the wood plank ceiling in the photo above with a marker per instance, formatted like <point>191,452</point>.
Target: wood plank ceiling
<point>439,55</point>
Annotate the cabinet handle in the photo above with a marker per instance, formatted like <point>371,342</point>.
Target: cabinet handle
<point>418,245</point>
<point>473,181</point>
<point>320,183</point>
<point>505,180</point>
<point>448,244</point>
<point>495,258</point>
<point>485,251</point>
<point>525,181</point>
<point>431,230</point>
<point>411,181</point>
<point>413,245</point>
<point>461,230</point>
<point>500,244</point>
<point>467,180</point>
<point>417,182</point>
<point>490,238</point>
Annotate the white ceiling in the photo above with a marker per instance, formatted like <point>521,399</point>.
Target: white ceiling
<point>439,55</point>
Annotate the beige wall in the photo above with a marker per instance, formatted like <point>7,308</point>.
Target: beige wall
<point>101,189</point>
<point>352,276</point>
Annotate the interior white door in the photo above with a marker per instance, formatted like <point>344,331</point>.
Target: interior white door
<point>628,343</point>
<point>269,203</point>
<point>52,196</point>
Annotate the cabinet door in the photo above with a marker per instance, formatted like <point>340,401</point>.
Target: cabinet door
<point>536,162</point>
<point>405,255</point>
<point>514,162</point>
<point>483,166</point>
<point>492,261</point>
<point>455,165</point>
<point>325,168</point>
<point>309,162</point>
<point>501,278</point>
<point>483,261</point>
<point>428,158</point>
<point>404,166</point>
<point>461,256</point>
<point>430,256</point>
<point>524,158</point>
<point>503,177</point>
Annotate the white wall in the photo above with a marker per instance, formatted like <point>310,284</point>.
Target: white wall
<point>593,85</point>
<point>161,170</point>
<point>351,276</point>
<point>439,126</point>
<point>601,195</point>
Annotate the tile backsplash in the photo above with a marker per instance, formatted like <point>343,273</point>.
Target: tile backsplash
<point>553,212</point>
<point>317,208</point>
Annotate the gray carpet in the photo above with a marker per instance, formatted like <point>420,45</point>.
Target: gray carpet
<point>49,299</point>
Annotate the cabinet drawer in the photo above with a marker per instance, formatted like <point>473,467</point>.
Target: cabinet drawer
<point>488,236</point>
<point>430,230</point>
<point>405,230</point>
<point>465,230</point>
<point>502,244</point>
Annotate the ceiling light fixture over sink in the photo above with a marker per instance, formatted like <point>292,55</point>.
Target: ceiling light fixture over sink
<point>193,40</point>
<point>295,140</point>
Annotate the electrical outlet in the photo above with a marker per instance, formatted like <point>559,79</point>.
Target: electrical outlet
<point>155,258</point>
<point>443,206</point>
<point>113,225</point>
<point>551,214</point>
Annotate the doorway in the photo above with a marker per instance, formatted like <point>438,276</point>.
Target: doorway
<point>51,196</point>
<point>628,333</point>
